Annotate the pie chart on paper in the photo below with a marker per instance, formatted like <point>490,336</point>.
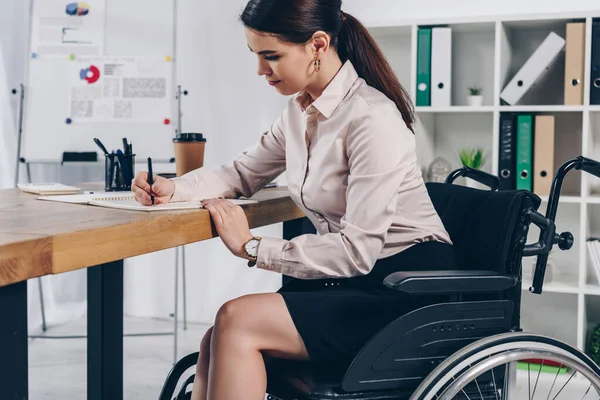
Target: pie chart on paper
<point>78,8</point>
<point>91,74</point>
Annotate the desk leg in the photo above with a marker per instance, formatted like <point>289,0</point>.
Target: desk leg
<point>105,332</point>
<point>14,355</point>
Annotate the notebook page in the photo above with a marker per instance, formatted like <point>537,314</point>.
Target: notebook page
<point>132,204</point>
<point>86,198</point>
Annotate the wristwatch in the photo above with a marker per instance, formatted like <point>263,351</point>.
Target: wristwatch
<point>251,248</point>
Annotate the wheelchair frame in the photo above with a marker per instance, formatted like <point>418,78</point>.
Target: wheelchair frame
<point>360,379</point>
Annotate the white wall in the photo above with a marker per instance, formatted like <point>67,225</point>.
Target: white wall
<point>381,12</point>
<point>13,31</point>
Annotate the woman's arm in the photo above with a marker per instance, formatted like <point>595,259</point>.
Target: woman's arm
<point>248,173</point>
<point>381,150</point>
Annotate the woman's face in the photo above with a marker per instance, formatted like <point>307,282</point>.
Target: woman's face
<point>286,66</point>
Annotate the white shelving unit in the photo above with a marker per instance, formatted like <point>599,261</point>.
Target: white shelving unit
<point>488,52</point>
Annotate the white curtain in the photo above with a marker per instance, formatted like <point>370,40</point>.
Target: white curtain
<point>227,102</point>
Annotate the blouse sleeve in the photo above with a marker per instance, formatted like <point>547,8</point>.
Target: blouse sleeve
<point>248,173</point>
<point>381,150</point>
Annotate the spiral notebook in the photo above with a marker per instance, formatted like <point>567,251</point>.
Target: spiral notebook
<point>126,201</point>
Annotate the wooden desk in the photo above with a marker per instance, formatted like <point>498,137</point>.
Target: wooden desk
<point>40,238</point>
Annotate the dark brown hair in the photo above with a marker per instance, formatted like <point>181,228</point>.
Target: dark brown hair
<point>296,21</point>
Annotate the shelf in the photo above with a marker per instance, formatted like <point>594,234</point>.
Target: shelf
<point>488,51</point>
<point>519,40</point>
<point>592,289</point>
<point>455,109</point>
<point>554,287</point>
<point>542,108</point>
<point>566,199</point>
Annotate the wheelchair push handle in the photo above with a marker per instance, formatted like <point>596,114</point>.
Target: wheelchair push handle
<point>590,166</point>
<point>565,239</point>
<point>489,180</point>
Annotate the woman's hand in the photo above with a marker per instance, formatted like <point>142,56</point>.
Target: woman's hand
<point>162,189</point>
<point>231,223</point>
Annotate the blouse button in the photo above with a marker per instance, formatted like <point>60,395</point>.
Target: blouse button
<point>311,110</point>
<point>311,123</point>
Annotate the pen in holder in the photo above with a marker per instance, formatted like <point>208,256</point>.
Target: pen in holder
<point>118,171</point>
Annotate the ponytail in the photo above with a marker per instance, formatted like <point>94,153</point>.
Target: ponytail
<point>296,21</point>
<point>356,44</point>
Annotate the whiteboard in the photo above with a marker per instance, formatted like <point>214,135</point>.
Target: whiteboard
<point>140,29</point>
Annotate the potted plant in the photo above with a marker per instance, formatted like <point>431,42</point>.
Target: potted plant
<point>472,157</point>
<point>475,98</point>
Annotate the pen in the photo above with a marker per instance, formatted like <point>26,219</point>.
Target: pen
<point>125,146</point>
<point>125,170</point>
<point>99,143</point>
<point>150,180</point>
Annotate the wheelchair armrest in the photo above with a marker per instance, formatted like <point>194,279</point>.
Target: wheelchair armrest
<point>448,281</point>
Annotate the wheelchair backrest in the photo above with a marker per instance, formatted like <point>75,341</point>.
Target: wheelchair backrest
<point>488,228</point>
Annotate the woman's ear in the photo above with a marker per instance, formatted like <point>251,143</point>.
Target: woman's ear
<point>320,42</point>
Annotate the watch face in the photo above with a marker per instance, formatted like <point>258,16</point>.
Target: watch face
<point>252,247</point>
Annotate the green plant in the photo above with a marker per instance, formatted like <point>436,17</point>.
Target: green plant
<point>594,344</point>
<point>475,91</point>
<point>472,157</point>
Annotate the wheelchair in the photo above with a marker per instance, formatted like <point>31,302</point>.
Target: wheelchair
<point>466,347</point>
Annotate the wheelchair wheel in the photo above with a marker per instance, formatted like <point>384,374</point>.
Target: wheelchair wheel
<point>487,369</point>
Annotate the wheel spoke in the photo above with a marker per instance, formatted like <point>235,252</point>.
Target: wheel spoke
<point>571,377</point>
<point>553,382</point>
<point>587,391</point>
<point>529,378</point>
<point>495,386</point>
<point>479,390</point>
<point>537,379</point>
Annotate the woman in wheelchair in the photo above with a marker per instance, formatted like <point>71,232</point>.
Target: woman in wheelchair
<point>347,145</point>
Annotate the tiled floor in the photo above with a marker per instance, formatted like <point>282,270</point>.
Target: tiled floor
<point>58,366</point>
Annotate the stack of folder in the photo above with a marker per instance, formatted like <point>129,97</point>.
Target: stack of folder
<point>526,159</point>
<point>595,63</point>
<point>434,66</point>
<point>531,74</point>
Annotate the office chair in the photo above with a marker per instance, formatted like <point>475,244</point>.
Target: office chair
<point>468,346</point>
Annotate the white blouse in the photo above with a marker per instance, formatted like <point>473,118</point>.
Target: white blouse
<point>352,169</point>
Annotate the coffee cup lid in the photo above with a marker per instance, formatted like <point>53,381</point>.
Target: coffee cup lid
<point>189,137</point>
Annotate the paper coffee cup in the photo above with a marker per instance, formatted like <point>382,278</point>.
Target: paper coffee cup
<point>189,152</point>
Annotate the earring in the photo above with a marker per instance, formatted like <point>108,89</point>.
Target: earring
<point>317,64</point>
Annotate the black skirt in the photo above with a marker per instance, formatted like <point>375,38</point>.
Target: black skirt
<point>337,317</point>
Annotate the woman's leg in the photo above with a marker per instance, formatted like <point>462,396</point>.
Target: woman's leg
<point>200,387</point>
<point>246,329</point>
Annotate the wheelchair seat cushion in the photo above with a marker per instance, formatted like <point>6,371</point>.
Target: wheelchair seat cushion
<point>335,318</point>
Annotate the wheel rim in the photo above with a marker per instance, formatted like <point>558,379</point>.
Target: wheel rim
<point>484,348</point>
<point>472,373</point>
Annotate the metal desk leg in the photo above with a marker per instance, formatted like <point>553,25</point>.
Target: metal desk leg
<point>105,332</point>
<point>13,342</point>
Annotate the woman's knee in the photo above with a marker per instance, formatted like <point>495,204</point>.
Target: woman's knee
<point>205,344</point>
<point>231,316</point>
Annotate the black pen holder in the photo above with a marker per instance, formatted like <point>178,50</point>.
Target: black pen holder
<point>119,171</point>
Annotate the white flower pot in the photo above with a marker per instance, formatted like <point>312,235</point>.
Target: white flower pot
<point>475,101</point>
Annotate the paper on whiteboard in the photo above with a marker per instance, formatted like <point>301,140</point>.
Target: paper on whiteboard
<point>119,89</point>
<point>63,27</point>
